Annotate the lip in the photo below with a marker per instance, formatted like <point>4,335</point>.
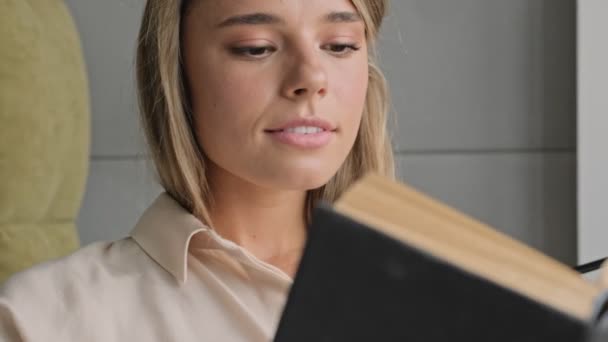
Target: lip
<point>304,141</point>
<point>309,122</point>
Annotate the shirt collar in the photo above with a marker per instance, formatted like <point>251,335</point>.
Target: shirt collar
<point>167,232</point>
<point>164,232</point>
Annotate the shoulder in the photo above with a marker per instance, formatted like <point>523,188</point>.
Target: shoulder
<point>85,260</point>
<point>66,283</point>
<point>73,287</point>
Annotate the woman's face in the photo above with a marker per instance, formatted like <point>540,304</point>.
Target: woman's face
<point>277,87</point>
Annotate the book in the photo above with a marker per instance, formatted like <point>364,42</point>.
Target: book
<point>388,263</point>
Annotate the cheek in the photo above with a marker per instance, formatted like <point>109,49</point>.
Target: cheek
<point>229,117</point>
<point>230,95</point>
<point>227,107</point>
<point>351,94</point>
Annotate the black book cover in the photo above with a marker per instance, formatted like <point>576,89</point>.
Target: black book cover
<point>357,284</point>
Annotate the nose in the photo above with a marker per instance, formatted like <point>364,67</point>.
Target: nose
<point>306,78</point>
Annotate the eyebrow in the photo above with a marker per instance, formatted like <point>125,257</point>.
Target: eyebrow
<point>268,19</point>
<point>343,17</point>
<point>251,19</point>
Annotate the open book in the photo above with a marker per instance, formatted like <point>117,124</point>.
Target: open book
<point>387,263</point>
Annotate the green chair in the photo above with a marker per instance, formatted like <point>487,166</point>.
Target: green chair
<point>44,132</point>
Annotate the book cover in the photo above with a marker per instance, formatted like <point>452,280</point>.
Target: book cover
<point>357,284</point>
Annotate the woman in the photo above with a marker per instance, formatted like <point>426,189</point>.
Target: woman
<point>254,110</point>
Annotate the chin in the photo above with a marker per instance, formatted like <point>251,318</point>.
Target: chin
<point>299,174</point>
<point>313,175</point>
<point>300,179</point>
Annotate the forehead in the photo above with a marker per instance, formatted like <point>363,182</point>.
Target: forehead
<point>290,11</point>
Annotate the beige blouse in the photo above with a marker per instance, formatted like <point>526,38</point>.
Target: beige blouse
<point>173,279</point>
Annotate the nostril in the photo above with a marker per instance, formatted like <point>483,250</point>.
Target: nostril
<point>300,91</point>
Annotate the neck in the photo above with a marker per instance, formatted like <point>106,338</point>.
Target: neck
<point>269,223</point>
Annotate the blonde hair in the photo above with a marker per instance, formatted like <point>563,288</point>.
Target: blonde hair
<point>167,121</point>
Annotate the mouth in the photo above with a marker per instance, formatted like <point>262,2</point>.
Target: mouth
<point>303,130</point>
<point>303,137</point>
<point>299,125</point>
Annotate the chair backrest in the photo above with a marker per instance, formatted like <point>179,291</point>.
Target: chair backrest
<point>44,132</point>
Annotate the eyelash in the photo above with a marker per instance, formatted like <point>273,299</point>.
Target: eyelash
<point>245,51</point>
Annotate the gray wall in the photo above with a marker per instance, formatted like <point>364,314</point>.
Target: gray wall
<point>121,182</point>
<point>484,92</point>
<point>593,128</point>
<point>484,101</point>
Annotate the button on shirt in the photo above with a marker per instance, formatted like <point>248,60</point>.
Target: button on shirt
<point>174,279</point>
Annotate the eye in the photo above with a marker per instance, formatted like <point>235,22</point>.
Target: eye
<point>341,49</point>
<point>253,51</point>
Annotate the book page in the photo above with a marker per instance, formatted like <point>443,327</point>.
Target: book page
<point>416,219</point>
